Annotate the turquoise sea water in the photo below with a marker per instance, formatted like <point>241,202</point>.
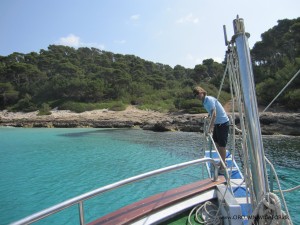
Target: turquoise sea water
<point>42,167</point>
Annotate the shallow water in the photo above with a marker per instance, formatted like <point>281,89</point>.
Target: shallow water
<point>42,167</point>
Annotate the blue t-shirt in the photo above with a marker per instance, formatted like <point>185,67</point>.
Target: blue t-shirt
<point>210,103</point>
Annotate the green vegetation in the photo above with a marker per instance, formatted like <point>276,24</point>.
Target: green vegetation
<point>276,59</point>
<point>87,78</point>
<point>44,110</point>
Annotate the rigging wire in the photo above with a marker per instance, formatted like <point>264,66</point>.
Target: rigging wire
<point>266,201</point>
<point>282,90</point>
<point>270,203</point>
<point>289,190</point>
<point>236,86</point>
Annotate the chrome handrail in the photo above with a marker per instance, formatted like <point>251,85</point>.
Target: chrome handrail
<point>81,198</point>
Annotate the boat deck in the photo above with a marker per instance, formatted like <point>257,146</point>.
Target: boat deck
<point>237,183</point>
<point>137,210</point>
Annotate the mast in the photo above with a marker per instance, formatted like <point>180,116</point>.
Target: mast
<point>254,137</point>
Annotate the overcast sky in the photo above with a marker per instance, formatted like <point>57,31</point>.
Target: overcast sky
<point>173,32</point>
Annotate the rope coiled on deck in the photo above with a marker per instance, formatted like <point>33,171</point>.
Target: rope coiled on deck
<point>207,213</point>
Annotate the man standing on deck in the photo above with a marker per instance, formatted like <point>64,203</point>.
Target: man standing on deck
<point>219,123</point>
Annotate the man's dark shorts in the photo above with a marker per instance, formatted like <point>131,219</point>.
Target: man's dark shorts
<point>220,134</point>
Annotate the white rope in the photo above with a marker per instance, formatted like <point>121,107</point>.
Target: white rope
<point>207,213</point>
<point>235,81</point>
<point>282,90</point>
<point>268,211</point>
<point>289,190</point>
<point>281,193</point>
<point>222,82</point>
<point>228,185</point>
<point>232,69</point>
<point>221,160</point>
<point>269,207</point>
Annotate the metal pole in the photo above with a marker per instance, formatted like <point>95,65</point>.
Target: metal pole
<point>81,213</point>
<point>271,180</point>
<point>254,137</point>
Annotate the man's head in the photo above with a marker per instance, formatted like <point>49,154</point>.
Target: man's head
<point>199,92</point>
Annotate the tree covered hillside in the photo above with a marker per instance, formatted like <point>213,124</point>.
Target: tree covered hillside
<point>88,78</point>
<point>276,59</point>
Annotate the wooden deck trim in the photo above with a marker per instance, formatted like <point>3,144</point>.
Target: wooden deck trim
<point>156,202</point>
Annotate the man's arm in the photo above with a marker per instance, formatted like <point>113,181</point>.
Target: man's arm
<point>212,121</point>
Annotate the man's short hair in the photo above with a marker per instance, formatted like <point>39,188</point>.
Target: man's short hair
<point>197,90</point>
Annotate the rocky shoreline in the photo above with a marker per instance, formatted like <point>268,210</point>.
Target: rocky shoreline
<point>271,123</point>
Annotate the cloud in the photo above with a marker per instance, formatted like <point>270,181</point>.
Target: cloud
<point>71,40</point>
<point>135,17</point>
<point>74,41</point>
<point>190,18</point>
